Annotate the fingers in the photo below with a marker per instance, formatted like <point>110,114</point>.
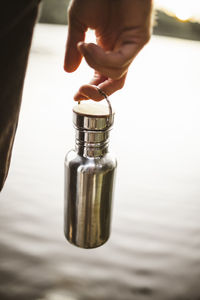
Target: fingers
<point>73,56</point>
<point>112,64</point>
<point>89,91</point>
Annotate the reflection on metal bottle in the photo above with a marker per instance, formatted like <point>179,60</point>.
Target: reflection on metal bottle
<point>89,178</point>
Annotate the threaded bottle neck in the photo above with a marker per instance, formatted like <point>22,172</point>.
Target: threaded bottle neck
<point>92,143</point>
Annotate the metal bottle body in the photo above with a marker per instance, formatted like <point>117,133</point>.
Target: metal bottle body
<point>89,184</point>
<point>89,179</point>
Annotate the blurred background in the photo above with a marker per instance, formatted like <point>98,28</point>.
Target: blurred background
<point>154,248</point>
<point>171,17</point>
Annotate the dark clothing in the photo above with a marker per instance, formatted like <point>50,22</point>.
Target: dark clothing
<point>17,19</point>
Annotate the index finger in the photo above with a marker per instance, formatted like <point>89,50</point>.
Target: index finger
<point>73,57</point>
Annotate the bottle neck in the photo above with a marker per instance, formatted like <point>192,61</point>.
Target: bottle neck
<point>92,143</point>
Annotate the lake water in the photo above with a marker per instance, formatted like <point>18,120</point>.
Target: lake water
<point>154,249</point>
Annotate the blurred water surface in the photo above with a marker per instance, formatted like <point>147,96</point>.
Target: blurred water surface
<point>154,249</point>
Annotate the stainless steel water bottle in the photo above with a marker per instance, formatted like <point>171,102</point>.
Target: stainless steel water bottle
<point>89,177</point>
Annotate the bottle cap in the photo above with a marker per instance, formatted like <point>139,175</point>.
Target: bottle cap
<point>93,115</point>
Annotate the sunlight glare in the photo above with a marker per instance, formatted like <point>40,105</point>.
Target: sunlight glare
<point>183,14</point>
<point>184,10</point>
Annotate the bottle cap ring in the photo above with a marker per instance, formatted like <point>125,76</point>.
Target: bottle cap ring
<point>109,105</point>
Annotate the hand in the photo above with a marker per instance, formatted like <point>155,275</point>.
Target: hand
<point>122,28</point>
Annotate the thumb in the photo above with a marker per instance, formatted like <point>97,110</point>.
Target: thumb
<point>76,34</point>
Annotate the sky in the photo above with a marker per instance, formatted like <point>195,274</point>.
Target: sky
<point>183,9</point>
